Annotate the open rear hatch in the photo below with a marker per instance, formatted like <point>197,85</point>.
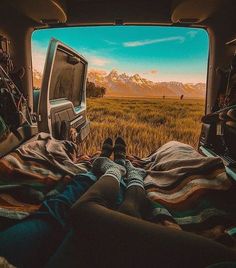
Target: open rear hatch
<point>60,104</point>
<point>62,100</point>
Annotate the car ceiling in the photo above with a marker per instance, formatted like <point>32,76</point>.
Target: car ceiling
<point>44,13</point>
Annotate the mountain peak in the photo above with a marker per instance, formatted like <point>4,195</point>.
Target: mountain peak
<point>135,85</point>
<point>113,72</point>
<point>113,75</point>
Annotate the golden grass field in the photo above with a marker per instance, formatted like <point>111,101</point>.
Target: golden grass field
<point>145,124</point>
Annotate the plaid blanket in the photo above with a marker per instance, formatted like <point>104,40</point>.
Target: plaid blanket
<point>32,171</point>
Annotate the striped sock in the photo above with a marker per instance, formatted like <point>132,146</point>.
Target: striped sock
<point>103,166</point>
<point>135,176</point>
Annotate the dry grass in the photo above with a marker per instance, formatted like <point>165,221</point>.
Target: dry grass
<point>145,124</point>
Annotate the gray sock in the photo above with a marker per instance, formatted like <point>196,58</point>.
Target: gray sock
<point>104,166</point>
<point>135,175</point>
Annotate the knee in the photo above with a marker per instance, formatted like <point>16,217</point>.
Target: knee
<point>84,208</point>
<point>130,210</point>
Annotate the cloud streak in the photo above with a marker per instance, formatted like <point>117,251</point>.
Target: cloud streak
<point>140,43</point>
<point>98,61</point>
<point>151,72</point>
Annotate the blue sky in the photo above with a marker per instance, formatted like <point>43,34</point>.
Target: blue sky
<point>157,53</point>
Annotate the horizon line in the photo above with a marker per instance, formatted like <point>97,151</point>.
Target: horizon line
<point>154,81</point>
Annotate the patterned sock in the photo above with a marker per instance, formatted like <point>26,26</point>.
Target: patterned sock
<point>107,148</point>
<point>135,176</point>
<point>104,166</point>
<point>120,152</point>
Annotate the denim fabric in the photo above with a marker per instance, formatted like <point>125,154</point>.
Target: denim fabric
<point>32,241</point>
<point>59,206</point>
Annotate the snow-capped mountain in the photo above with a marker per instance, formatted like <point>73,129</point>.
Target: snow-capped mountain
<point>135,85</point>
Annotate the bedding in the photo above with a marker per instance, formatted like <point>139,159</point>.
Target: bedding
<point>190,192</point>
<point>187,191</point>
<point>34,170</point>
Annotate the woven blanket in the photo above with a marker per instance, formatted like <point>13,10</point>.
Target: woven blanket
<point>190,192</point>
<point>33,170</point>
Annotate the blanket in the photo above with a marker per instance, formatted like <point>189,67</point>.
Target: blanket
<point>189,191</point>
<point>32,171</point>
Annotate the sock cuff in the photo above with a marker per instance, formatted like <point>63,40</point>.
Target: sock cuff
<point>114,172</point>
<point>136,182</point>
<point>111,175</point>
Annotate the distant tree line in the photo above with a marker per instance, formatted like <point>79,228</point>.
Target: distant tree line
<point>93,91</point>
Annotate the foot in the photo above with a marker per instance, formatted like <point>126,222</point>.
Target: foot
<point>135,176</point>
<point>104,165</point>
<point>120,151</point>
<point>107,148</point>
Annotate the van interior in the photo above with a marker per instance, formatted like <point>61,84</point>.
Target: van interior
<point>59,108</point>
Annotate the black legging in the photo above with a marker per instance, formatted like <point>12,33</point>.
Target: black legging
<point>109,238</point>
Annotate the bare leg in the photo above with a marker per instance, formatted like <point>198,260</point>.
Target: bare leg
<point>117,240</point>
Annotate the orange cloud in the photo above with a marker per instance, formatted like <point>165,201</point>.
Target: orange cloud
<point>98,61</point>
<point>151,72</point>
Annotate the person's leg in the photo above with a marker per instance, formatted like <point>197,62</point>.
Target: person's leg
<point>120,151</point>
<point>107,148</point>
<point>67,253</point>
<point>114,239</point>
<point>105,168</point>
<point>59,205</point>
<point>30,242</point>
<point>135,202</point>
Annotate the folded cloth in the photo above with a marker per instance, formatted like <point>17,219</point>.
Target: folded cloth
<point>42,163</point>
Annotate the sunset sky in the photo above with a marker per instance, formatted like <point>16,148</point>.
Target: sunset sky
<point>156,53</point>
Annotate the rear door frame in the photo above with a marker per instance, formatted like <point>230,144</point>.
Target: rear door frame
<point>45,106</point>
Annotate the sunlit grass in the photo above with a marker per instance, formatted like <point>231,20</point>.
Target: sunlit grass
<point>145,124</point>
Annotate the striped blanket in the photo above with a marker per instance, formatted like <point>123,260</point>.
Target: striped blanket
<point>33,171</point>
<point>187,190</point>
<point>190,192</point>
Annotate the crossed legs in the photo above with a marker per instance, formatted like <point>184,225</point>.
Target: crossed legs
<point>109,238</point>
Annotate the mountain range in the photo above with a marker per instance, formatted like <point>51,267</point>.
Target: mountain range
<point>135,85</point>
<point>117,84</point>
